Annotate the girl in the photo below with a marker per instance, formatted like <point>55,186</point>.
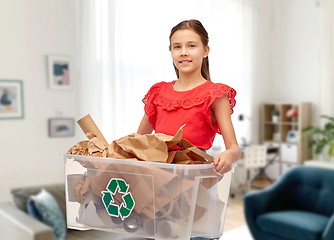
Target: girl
<point>192,99</point>
<point>204,107</point>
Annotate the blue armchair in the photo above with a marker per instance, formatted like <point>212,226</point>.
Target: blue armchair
<point>298,206</point>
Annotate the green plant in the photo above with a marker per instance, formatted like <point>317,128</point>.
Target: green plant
<point>275,112</point>
<point>321,137</point>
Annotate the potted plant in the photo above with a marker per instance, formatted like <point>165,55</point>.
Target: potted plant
<point>274,115</point>
<point>321,137</point>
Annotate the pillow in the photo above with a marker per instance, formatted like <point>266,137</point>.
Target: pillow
<point>21,195</point>
<point>48,209</point>
<point>32,210</point>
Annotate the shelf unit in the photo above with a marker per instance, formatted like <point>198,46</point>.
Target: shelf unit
<point>274,133</point>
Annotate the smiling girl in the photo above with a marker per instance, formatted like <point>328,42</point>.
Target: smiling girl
<point>205,107</point>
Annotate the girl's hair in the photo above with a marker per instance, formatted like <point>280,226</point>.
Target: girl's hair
<point>196,26</point>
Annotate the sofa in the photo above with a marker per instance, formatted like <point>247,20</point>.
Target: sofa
<point>298,206</point>
<point>17,224</point>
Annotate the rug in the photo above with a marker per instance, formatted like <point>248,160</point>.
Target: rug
<point>240,233</point>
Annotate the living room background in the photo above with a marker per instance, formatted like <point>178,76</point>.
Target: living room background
<point>286,52</point>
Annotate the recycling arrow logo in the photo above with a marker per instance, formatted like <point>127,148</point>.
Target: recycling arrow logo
<point>124,211</point>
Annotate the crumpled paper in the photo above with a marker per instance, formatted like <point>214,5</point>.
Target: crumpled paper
<point>148,147</point>
<point>81,188</point>
<point>169,189</point>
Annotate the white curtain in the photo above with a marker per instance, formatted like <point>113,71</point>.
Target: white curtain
<point>327,59</point>
<point>233,33</point>
<point>122,49</point>
<point>93,60</point>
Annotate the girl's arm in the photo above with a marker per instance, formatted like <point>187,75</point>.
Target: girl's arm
<point>145,126</point>
<point>223,161</point>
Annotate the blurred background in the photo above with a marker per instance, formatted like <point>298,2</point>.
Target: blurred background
<point>269,51</point>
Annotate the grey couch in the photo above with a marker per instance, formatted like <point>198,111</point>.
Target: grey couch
<point>16,224</point>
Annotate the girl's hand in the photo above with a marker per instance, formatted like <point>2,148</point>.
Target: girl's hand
<point>223,162</point>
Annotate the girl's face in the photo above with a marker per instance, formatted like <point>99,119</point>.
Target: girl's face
<point>188,51</point>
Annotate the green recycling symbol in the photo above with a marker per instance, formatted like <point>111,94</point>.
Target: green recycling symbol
<point>128,203</point>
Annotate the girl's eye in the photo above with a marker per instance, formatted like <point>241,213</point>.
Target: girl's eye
<point>176,46</point>
<point>191,45</point>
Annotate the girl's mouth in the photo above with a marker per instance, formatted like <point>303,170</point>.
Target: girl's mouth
<point>185,61</point>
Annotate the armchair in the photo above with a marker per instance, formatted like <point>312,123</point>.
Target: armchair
<point>299,206</point>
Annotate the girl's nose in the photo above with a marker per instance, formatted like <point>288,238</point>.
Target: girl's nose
<point>184,52</point>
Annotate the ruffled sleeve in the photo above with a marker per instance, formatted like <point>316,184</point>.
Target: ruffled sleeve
<point>148,100</point>
<point>218,90</point>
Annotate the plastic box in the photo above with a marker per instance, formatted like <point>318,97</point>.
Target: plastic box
<point>151,200</point>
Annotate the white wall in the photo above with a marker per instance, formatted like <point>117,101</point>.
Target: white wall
<point>263,64</point>
<point>296,45</point>
<point>30,30</point>
<point>287,55</point>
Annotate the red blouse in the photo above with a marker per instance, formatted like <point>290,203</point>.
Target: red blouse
<point>168,110</point>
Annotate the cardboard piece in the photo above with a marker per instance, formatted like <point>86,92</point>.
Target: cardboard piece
<point>150,226</point>
<point>88,126</point>
<point>90,196</point>
<point>106,219</point>
<point>80,190</point>
<point>72,181</point>
<point>117,220</point>
<point>170,229</point>
<point>90,217</point>
<point>132,224</point>
<point>213,214</point>
<point>193,152</point>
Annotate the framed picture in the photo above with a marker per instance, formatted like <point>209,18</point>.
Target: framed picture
<point>61,127</point>
<point>60,69</point>
<point>11,99</point>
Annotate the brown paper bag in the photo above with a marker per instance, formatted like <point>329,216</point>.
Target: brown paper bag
<point>144,147</point>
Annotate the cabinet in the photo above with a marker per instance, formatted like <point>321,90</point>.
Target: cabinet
<point>286,133</point>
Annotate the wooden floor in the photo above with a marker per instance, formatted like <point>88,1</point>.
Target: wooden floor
<point>235,210</point>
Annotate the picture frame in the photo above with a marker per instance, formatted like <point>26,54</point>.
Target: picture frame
<point>11,99</point>
<point>61,127</point>
<point>60,72</point>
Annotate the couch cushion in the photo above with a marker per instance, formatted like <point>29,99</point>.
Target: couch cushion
<point>50,213</point>
<point>21,195</point>
<point>294,225</point>
<point>308,189</point>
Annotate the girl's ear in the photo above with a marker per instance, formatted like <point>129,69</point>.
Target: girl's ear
<point>206,51</point>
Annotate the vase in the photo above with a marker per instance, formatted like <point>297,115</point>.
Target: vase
<point>274,119</point>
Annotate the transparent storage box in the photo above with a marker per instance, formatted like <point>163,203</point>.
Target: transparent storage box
<point>146,199</point>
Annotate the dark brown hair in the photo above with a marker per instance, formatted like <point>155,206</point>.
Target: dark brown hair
<point>196,26</point>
